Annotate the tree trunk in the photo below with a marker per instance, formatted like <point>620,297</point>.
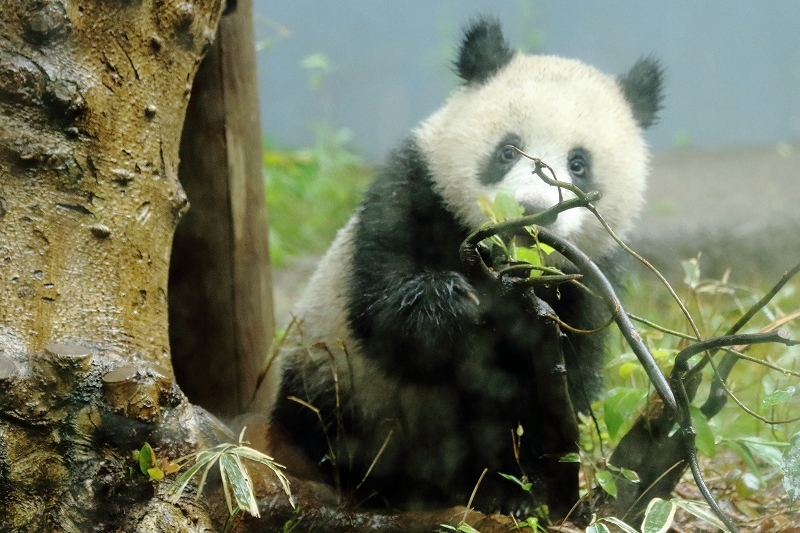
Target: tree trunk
<point>220,288</point>
<point>92,99</point>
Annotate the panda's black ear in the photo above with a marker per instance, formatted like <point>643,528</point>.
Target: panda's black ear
<point>483,50</point>
<point>643,87</point>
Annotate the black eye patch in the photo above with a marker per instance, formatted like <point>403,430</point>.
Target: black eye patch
<point>501,160</point>
<point>579,165</point>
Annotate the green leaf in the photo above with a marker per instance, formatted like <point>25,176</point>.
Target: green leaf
<point>790,465</point>
<point>316,61</point>
<point>255,455</point>
<point>239,482</point>
<point>486,206</point>
<point>764,449</point>
<point>747,456</point>
<point>526,486</point>
<point>620,405</point>
<point>155,473</point>
<point>700,510</point>
<point>506,206</point>
<point>607,483</point>
<point>570,458</point>
<point>176,490</point>
<point>779,396</point>
<point>147,458</point>
<point>658,516</point>
<point>533,523</point>
<point>529,255</point>
<point>597,527</point>
<point>546,249</point>
<point>620,524</point>
<point>704,439</point>
<point>630,475</point>
<point>626,369</point>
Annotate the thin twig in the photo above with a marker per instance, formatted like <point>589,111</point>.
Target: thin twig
<point>591,270</point>
<point>728,362</point>
<point>324,432</point>
<point>688,436</point>
<point>682,359</point>
<point>272,354</point>
<point>578,331</point>
<point>649,266</point>
<point>784,371</point>
<point>472,496</point>
<point>662,328</point>
<point>746,409</point>
<point>472,259</point>
<point>528,266</point>
<point>375,459</point>
<point>551,280</point>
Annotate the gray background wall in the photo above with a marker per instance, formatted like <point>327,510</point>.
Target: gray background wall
<point>733,66</point>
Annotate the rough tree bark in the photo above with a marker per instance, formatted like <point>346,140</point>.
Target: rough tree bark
<point>92,98</point>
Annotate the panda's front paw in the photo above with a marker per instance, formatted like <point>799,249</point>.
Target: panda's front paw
<point>429,302</point>
<point>421,322</point>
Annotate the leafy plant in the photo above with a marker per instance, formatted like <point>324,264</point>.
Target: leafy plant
<point>659,516</point>
<point>149,465</point>
<point>503,208</point>
<point>236,483</point>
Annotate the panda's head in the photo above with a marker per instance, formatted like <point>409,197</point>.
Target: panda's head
<point>586,125</point>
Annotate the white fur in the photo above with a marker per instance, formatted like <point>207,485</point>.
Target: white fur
<point>556,104</point>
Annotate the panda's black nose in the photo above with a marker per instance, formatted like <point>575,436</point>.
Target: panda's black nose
<point>531,209</point>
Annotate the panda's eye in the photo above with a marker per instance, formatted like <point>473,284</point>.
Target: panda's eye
<point>507,154</point>
<point>580,166</point>
<point>501,160</point>
<point>577,168</point>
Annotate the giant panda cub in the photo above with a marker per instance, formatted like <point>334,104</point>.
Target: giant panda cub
<point>421,374</point>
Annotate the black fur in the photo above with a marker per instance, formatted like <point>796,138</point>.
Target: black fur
<point>642,86</point>
<point>483,52</point>
<point>415,314</point>
<point>498,164</point>
<point>407,300</point>
<point>584,179</point>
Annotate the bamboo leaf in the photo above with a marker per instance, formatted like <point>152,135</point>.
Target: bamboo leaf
<point>701,511</point>
<point>620,524</point>
<point>790,464</point>
<point>658,516</point>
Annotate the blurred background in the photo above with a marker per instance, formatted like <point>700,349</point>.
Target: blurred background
<point>343,82</point>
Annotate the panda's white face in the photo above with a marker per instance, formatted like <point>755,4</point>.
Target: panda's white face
<point>571,116</point>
